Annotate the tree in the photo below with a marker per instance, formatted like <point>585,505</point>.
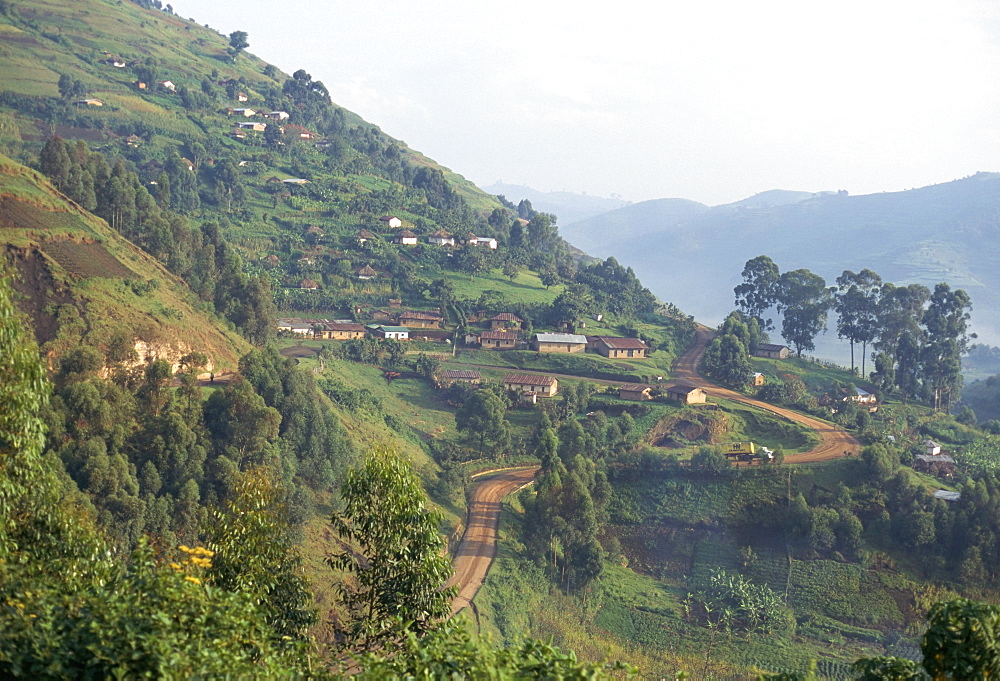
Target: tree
<point>483,418</point>
<point>803,301</point>
<point>255,554</point>
<point>856,303</point>
<point>452,652</point>
<point>727,360</point>
<point>395,553</point>
<point>759,290</point>
<point>946,321</point>
<point>237,43</point>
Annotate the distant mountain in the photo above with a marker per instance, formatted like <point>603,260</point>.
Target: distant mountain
<point>945,232</point>
<point>567,206</point>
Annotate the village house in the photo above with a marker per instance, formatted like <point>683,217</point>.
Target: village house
<point>167,85</point>
<point>246,113</point>
<point>772,351</point>
<point>342,330</point>
<point>140,85</point>
<point>449,377</point>
<point>487,241</point>
<point>366,272</point>
<point>382,316</point>
<point>241,97</point>
<point>399,333</point>
<point>559,342</point>
<point>89,102</point>
<point>277,115</point>
<point>406,238</point>
<point>686,394</point>
<point>636,392</point>
<point>757,380</point>
<point>391,221</point>
<point>531,384</point>
<point>498,340</point>
<point>441,238</point>
<point>505,320</point>
<point>420,319</point>
<point>940,465</point>
<point>363,236</point>
<point>308,285</point>
<point>252,125</point>
<point>861,397</point>
<point>295,180</point>
<point>297,327</point>
<point>614,347</point>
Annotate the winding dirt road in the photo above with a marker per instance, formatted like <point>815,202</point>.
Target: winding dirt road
<point>478,547</point>
<point>834,443</point>
<point>479,543</point>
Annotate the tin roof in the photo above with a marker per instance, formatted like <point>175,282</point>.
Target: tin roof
<point>529,379</point>
<point>560,338</point>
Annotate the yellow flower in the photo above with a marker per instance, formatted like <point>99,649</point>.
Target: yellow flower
<point>193,580</point>
<point>175,566</point>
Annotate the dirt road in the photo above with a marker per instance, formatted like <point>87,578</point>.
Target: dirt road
<point>478,547</point>
<point>835,442</point>
<point>479,543</point>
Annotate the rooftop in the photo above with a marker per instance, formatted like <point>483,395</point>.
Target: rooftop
<point>529,379</point>
<point>560,338</point>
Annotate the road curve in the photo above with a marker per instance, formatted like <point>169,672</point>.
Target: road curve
<point>478,547</point>
<point>834,443</point>
<point>479,543</point>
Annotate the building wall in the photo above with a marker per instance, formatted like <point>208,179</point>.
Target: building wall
<point>637,397</point>
<point>546,390</point>
<point>345,335</point>
<point>616,354</point>
<point>560,347</point>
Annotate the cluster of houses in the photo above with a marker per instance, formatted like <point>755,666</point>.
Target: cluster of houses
<point>505,334</point>
<point>437,238</point>
<point>530,387</point>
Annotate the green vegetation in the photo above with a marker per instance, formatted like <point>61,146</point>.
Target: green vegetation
<point>158,249</point>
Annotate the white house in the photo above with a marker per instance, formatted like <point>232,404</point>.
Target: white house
<point>246,113</point>
<point>167,85</point>
<point>277,115</point>
<point>407,238</point>
<point>488,241</point>
<point>391,221</point>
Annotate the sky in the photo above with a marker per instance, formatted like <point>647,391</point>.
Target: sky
<point>712,101</point>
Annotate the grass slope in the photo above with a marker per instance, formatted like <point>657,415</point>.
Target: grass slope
<point>82,283</point>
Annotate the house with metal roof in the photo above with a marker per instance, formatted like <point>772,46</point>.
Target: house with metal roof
<point>559,342</point>
<point>543,386</point>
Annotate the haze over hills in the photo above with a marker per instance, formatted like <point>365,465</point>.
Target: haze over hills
<point>567,206</point>
<point>693,255</point>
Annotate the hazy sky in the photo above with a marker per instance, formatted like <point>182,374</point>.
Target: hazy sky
<point>711,101</point>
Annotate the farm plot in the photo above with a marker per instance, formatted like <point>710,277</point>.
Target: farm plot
<point>19,215</point>
<point>87,260</point>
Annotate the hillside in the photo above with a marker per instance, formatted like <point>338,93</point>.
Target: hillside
<point>83,283</point>
<point>189,114</point>
<point>385,332</point>
<point>944,232</point>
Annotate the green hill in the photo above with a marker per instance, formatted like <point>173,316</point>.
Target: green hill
<point>943,232</point>
<point>84,284</point>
